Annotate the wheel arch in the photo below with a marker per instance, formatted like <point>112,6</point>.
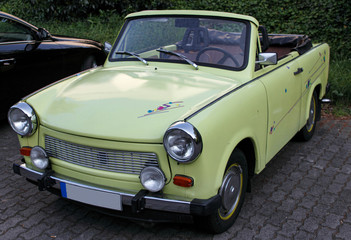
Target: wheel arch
<point>248,148</point>
<point>318,90</point>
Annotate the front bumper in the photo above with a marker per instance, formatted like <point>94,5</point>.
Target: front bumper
<point>134,205</point>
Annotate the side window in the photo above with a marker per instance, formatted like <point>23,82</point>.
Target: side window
<point>11,31</point>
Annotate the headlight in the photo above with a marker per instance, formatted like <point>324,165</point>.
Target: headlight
<point>152,178</point>
<point>39,157</point>
<point>183,142</point>
<point>22,119</point>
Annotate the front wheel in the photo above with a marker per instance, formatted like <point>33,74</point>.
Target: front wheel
<point>232,192</point>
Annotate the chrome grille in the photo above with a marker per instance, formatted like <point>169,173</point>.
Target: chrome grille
<point>98,158</point>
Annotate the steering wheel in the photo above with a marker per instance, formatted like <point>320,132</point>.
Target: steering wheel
<point>223,59</point>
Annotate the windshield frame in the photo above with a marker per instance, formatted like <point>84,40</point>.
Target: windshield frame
<point>179,61</point>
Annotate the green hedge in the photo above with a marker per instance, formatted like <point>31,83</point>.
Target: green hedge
<point>326,21</point>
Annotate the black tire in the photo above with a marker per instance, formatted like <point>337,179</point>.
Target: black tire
<point>232,191</point>
<point>306,133</point>
<point>89,62</point>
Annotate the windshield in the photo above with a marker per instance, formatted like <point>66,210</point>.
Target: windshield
<point>205,41</point>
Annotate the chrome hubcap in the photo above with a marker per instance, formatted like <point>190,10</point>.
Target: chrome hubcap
<point>230,190</point>
<point>311,118</point>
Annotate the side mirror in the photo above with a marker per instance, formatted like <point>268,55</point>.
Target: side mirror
<point>267,58</point>
<point>43,34</point>
<point>107,47</point>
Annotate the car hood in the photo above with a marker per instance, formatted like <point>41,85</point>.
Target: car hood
<point>127,104</point>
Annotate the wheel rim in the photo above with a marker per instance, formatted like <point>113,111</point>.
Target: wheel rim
<point>230,191</point>
<point>312,115</point>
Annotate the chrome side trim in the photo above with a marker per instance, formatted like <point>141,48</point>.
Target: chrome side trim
<point>151,202</point>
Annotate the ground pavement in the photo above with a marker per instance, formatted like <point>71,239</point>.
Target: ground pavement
<point>303,193</point>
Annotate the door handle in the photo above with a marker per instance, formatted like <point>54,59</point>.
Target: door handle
<point>299,70</point>
<point>7,62</point>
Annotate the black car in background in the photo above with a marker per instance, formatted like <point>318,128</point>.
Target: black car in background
<point>31,58</point>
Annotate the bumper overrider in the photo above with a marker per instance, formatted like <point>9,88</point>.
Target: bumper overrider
<point>152,207</point>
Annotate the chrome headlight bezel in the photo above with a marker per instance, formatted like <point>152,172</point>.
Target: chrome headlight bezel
<point>23,115</point>
<point>39,157</point>
<point>152,178</point>
<point>184,134</point>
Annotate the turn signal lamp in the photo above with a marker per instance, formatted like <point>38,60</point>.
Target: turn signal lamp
<point>183,181</point>
<point>25,151</point>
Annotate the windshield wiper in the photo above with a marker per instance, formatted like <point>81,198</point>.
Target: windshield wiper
<point>134,55</point>
<point>180,56</point>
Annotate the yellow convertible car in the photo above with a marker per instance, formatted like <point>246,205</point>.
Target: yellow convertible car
<point>186,109</point>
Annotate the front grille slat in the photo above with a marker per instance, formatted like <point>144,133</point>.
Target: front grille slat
<point>97,158</point>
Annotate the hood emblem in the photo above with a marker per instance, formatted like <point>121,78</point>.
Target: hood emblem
<point>163,108</point>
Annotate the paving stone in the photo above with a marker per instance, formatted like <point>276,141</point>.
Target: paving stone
<point>310,225</point>
<point>278,196</point>
<point>90,233</point>
<point>320,210</point>
<point>298,193</point>
<point>287,185</point>
<point>303,193</point>
<point>13,233</point>
<point>267,232</point>
<point>258,221</point>
<point>308,202</point>
<point>11,222</point>
<point>245,233</point>
<point>288,205</point>
<point>35,231</point>
<point>303,235</point>
<point>332,221</point>
<point>307,183</point>
<point>328,199</point>
<point>344,231</point>
<point>338,208</point>
<point>325,233</point>
<point>335,188</point>
<point>299,214</point>
<point>290,228</point>
<point>345,196</point>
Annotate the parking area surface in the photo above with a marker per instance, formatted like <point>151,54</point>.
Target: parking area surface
<point>303,193</point>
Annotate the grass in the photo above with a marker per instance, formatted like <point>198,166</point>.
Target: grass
<point>340,81</point>
<point>106,27</point>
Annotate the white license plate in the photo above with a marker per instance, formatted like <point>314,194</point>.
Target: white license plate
<point>91,196</point>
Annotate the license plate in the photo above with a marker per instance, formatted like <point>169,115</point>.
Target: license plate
<point>91,196</point>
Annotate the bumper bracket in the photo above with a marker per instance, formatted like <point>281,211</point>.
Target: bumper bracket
<point>45,182</point>
<point>138,201</point>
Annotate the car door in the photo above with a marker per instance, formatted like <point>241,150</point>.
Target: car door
<point>27,62</point>
<point>283,89</point>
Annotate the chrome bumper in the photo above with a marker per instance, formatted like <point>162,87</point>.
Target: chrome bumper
<point>138,202</point>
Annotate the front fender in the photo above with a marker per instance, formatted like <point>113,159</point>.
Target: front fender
<point>239,115</point>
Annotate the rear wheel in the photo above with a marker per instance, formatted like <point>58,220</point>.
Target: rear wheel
<point>232,192</point>
<point>307,131</point>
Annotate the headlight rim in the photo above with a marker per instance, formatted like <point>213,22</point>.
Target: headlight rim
<point>30,114</point>
<point>45,155</point>
<point>156,169</point>
<point>192,132</point>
